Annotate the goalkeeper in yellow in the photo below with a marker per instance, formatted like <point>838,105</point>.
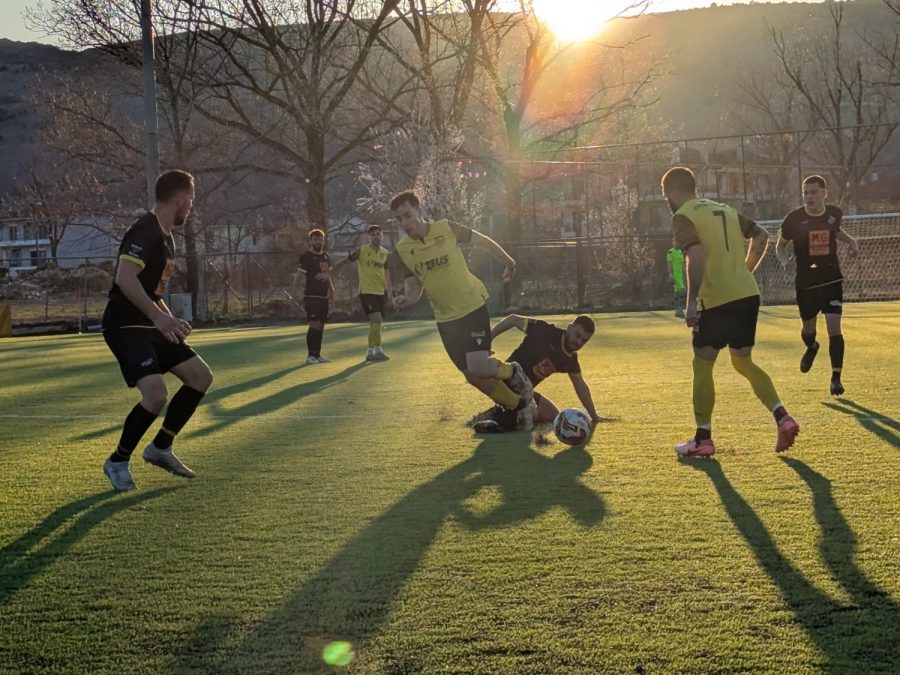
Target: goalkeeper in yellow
<point>436,265</point>
<point>722,303</point>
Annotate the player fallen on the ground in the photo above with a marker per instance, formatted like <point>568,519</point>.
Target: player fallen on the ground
<point>147,340</point>
<point>815,229</point>
<point>374,285</point>
<point>720,280</point>
<point>436,265</point>
<point>544,350</point>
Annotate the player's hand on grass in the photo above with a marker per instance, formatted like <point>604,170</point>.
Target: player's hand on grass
<point>173,329</point>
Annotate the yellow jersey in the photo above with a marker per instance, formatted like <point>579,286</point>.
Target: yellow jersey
<point>721,230</point>
<point>370,264</point>
<point>440,267</point>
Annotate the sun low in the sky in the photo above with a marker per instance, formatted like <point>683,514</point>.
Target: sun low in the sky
<point>576,20</point>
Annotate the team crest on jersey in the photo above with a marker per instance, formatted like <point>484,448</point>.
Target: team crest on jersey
<point>831,220</point>
<point>439,240</point>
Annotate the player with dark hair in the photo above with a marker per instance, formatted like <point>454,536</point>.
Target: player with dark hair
<point>436,265</point>
<point>315,265</point>
<point>147,340</point>
<point>544,350</point>
<point>814,229</point>
<point>374,283</point>
<point>720,280</point>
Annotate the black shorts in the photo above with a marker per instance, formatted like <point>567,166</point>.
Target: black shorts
<point>372,303</point>
<point>471,333</point>
<point>316,309</point>
<point>827,299</point>
<point>732,324</point>
<point>144,351</point>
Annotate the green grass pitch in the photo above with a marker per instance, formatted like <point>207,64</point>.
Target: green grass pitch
<point>348,502</point>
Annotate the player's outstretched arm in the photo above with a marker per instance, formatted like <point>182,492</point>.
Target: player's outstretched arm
<point>497,251</point>
<point>583,391</point>
<point>759,243</point>
<point>512,321</point>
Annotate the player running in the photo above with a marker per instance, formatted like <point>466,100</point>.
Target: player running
<point>815,229</point>
<point>721,280</point>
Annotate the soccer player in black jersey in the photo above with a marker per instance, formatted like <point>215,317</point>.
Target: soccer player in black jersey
<point>146,339</point>
<point>814,229</point>
<point>545,350</point>
<point>315,265</point>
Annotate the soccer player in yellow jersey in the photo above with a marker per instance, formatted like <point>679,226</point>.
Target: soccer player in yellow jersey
<point>720,280</point>
<point>430,251</point>
<point>374,283</point>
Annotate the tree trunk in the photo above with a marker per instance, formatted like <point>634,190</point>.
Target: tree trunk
<point>315,186</point>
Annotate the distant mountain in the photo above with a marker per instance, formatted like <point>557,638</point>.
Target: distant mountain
<point>704,52</point>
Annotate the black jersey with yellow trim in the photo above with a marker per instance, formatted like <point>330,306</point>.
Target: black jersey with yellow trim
<point>152,249</point>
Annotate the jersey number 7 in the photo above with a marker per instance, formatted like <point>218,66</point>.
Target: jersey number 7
<point>721,215</point>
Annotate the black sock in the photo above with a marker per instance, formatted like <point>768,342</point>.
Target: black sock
<point>779,413</point>
<point>703,434</point>
<point>136,425</point>
<point>521,404</point>
<point>314,341</point>
<point>809,339</point>
<point>181,408</point>
<point>836,352</point>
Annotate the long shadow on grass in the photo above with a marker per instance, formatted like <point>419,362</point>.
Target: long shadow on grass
<point>351,596</point>
<point>273,402</point>
<point>886,428</point>
<point>21,560</point>
<point>862,636</point>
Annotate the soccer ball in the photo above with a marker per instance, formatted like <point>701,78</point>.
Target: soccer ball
<point>572,426</point>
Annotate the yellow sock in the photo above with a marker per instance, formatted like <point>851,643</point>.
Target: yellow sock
<point>759,379</point>
<point>704,391</point>
<point>505,396</point>
<point>374,335</point>
<point>504,371</point>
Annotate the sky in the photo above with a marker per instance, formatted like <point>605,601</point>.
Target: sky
<point>12,23</point>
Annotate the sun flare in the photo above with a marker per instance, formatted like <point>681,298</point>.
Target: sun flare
<point>575,20</point>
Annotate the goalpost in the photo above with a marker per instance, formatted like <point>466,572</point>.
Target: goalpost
<point>873,275</point>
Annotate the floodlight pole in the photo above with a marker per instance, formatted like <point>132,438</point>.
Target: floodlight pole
<point>151,123</point>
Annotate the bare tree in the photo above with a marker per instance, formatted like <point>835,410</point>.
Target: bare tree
<point>283,75</point>
<point>834,82</point>
<point>52,198</point>
<point>530,122</point>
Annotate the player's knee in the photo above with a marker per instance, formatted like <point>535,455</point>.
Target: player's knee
<point>202,380</point>
<point>742,364</point>
<point>154,398</point>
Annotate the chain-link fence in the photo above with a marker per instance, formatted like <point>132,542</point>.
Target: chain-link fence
<point>588,274</point>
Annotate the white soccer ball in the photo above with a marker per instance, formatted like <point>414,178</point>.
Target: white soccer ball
<point>572,426</point>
